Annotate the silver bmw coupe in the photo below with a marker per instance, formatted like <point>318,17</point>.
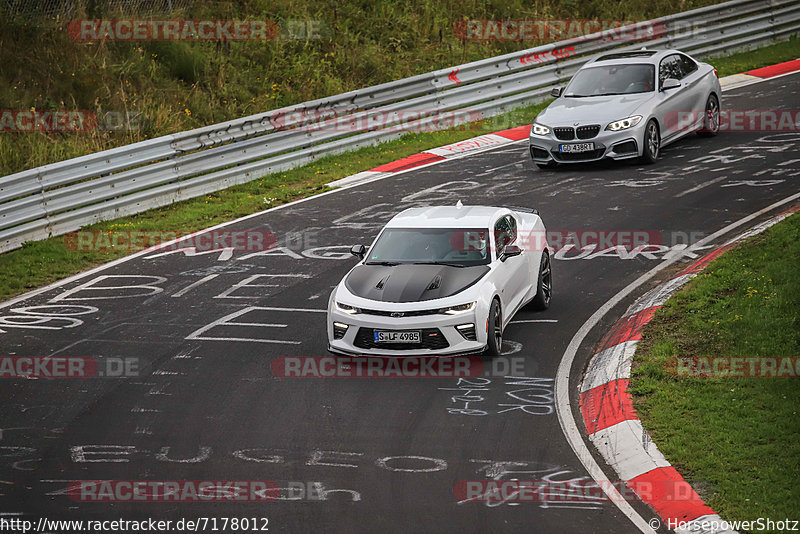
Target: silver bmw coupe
<point>627,105</point>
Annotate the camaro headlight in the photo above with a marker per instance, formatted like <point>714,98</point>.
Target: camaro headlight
<point>452,310</point>
<point>624,124</point>
<point>346,308</point>
<point>538,129</point>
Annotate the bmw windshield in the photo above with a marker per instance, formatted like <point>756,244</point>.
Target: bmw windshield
<point>442,246</point>
<point>612,80</point>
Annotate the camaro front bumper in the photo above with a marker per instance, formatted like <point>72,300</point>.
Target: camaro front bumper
<point>440,334</point>
<point>607,144</point>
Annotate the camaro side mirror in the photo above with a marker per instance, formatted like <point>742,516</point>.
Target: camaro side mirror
<point>670,83</point>
<point>358,250</point>
<point>509,251</point>
<point>556,91</point>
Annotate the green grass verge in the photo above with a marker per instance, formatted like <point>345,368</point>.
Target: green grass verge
<point>39,263</point>
<point>737,440</point>
<point>762,57</point>
<point>172,86</point>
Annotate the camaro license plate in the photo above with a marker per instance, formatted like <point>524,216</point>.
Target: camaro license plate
<point>410,336</point>
<point>577,147</point>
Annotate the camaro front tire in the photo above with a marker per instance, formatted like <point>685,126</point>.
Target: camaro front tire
<point>544,286</point>
<point>494,341</point>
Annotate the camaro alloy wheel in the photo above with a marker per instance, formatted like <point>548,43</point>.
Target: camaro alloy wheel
<point>544,288</point>
<point>652,142</point>
<point>711,121</point>
<point>494,341</point>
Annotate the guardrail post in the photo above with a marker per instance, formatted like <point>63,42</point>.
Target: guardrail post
<point>49,222</point>
<point>771,4</point>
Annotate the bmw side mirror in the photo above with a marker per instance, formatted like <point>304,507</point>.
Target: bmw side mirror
<point>670,83</point>
<point>510,251</point>
<point>358,250</point>
<point>556,91</point>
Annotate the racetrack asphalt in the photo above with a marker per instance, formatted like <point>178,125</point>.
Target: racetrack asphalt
<point>206,405</point>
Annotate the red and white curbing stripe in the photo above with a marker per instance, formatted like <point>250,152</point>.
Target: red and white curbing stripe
<point>735,80</point>
<point>611,421</point>
<point>432,155</point>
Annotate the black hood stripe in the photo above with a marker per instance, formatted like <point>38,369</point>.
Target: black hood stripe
<point>411,283</point>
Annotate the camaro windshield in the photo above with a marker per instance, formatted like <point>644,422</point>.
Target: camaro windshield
<point>612,80</point>
<point>448,246</point>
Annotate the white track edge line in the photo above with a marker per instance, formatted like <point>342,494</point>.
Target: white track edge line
<point>759,80</point>
<point>563,408</point>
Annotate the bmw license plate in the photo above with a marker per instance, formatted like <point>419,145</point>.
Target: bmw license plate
<point>576,147</point>
<point>408,336</point>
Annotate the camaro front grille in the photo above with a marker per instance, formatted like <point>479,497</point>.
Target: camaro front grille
<point>430,338</point>
<point>415,313</point>
<point>587,132</point>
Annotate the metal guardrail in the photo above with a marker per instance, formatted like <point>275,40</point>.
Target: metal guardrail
<point>62,197</point>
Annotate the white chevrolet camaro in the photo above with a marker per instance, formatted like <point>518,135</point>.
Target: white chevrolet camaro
<point>442,280</point>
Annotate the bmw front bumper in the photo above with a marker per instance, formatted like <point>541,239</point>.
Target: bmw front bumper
<point>623,144</point>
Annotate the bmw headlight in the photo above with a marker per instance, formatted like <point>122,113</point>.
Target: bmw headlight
<point>452,310</point>
<point>624,124</point>
<point>346,308</point>
<point>538,129</point>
